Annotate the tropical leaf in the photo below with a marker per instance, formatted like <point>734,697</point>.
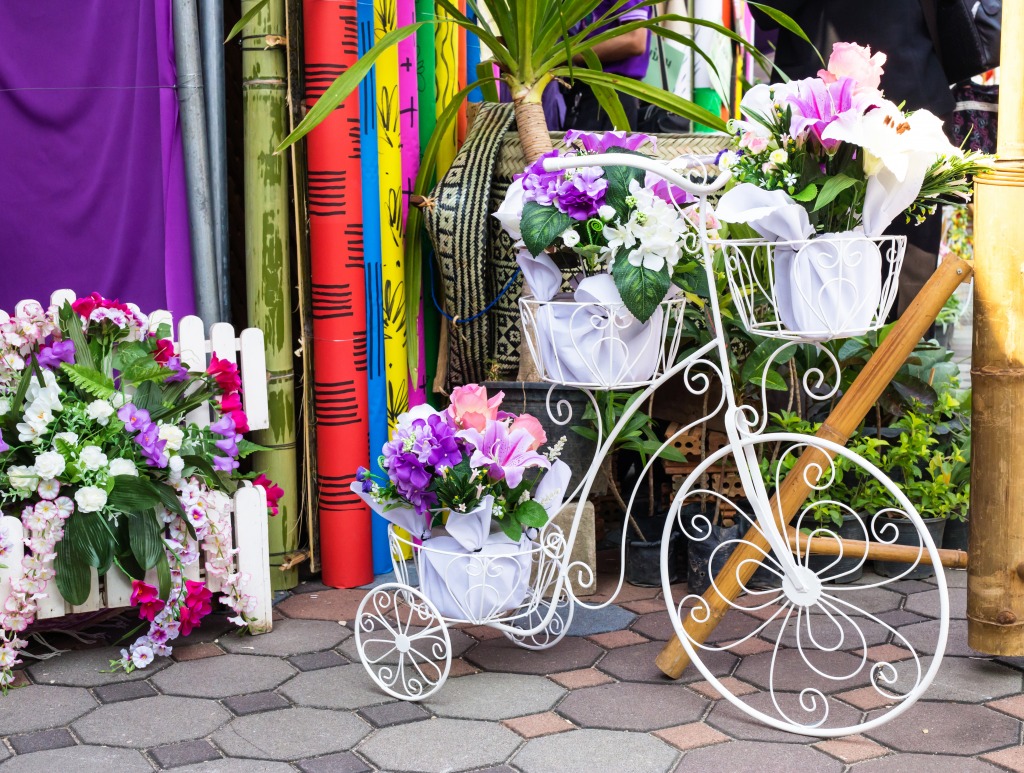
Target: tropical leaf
<point>71,326</point>
<point>72,572</point>
<point>833,187</point>
<point>145,538</point>
<point>169,498</point>
<point>542,225</point>
<point>163,576</point>
<point>90,380</point>
<point>132,494</point>
<point>206,469</point>
<point>641,288</point>
<point>619,179</point>
<point>247,17</point>
<point>606,97</point>
<point>787,23</point>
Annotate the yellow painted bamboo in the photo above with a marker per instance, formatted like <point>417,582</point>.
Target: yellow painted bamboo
<point>995,576</point>
<point>838,427</point>
<point>268,263</point>
<point>446,76</point>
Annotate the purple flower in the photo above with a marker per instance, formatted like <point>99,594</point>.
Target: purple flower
<point>229,445</point>
<point>446,451</point>
<point>362,474</point>
<point>541,186</point>
<point>152,446</point>
<point>180,373</point>
<point>3,445</point>
<point>506,454</point>
<point>602,143</point>
<point>224,464</point>
<point>668,192</point>
<point>581,195</point>
<point>134,419</point>
<point>816,104</point>
<point>225,426</point>
<point>52,356</point>
<point>410,476</point>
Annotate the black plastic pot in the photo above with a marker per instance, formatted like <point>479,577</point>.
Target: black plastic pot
<point>845,570</point>
<point>955,537</point>
<point>701,567</point>
<point>643,562</point>
<point>908,536</point>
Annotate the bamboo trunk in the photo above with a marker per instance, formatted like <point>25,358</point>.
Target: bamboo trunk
<point>838,427</point>
<point>873,551</point>
<point>267,262</point>
<point>995,577</point>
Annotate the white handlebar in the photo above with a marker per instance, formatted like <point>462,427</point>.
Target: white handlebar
<point>637,162</point>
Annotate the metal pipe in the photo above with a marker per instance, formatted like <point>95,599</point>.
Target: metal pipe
<point>197,173</point>
<point>211,30</point>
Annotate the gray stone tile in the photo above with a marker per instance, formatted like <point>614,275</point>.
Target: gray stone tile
<point>830,632</point>
<point>440,746</point>
<point>956,578</point>
<point>314,661</point>
<point>494,696</point>
<point>927,603</point>
<point>760,757</point>
<point>502,655</point>
<point>461,643</point>
<point>84,668</point>
<point>151,722</point>
<point>236,766</point>
<point>971,680</point>
<point>605,751</point>
<point>344,687</point>
<point>910,586</point>
<point>636,664</point>
<point>923,636</point>
<point>871,600</point>
<point>924,763</point>
<point>253,703</point>
<point>39,707</point>
<point>900,617</point>
<point>931,727</point>
<point>213,627</point>
<point>398,713</point>
<point>176,755</point>
<point>124,691</point>
<point>80,759</point>
<point>223,676</point>
<point>632,706</point>
<point>343,762</point>
<point>289,637</point>
<point>731,721</point>
<point>586,622</point>
<point>790,670</point>
<point>290,734</point>
<point>41,740</point>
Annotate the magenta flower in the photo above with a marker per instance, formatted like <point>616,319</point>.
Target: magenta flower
<point>817,104</point>
<point>602,143</point>
<point>3,445</point>
<point>504,453</point>
<point>134,419</point>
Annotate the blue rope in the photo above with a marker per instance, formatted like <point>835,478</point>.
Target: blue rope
<point>475,317</point>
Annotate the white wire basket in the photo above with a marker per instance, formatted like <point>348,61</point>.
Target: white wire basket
<point>832,286</point>
<point>600,345</point>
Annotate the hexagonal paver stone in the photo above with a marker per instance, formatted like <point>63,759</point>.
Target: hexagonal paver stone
<point>925,763</point>
<point>461,643</point>
<point>237,766</point>
<point>846,635</point>
<point>922,637</point>
<point>604,751</point>
<point>290,734</point>
<point>731,721</point>
<point>84,668</point>
<point>971,680</point>
<point>927,603</point>
<point>871,600</point>
<point>223,676</point>
<point>626,706</point>
<point>341,687</point>
<point>289,637</point>
<point>750,757</point>
<point>790,671</point>
<point>586,622</point>
<point>334,604</point>
<point>80,759</point>
<point>39,707</point>
<point>440,746</point>
<point>636,664</point>
<point>502,655</point>
<point>494,696</point>
<point>932,727</point>
<point>151,722</point>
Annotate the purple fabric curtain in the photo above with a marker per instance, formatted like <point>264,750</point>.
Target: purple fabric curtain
<point>92,180</point>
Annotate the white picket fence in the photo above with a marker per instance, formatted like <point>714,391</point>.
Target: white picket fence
<point>249,517</point>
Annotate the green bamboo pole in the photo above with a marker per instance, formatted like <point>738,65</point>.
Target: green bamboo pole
<point>267,262</point>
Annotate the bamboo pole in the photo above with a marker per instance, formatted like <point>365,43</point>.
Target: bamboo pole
<point>995,577</point>
<point>267,262</point>
<point>873,551</point>
<point>838,427</point>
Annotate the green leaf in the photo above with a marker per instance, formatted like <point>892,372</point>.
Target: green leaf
<point>606,97</point>
<point>833,187</point>
<point>247,17</point>
<point>641,289</point>
<point>133,495</point>
<point>771,380</point>
<point>72,572</point>
<point>531,513</point>
<point>145,538</point>
<point>807,194</point>
<point>787,23</point>
<point>142,371</point>
<point>206,469</point>
<point>619,179</point>
<point>511,528</point>
<point>542,225</point>
<point>163,576</point>
<point>18,404</point>
<point>71,326</point>
<point>90,539</point>
<point>247,448</point>
<point>146,397</point>
<point>90,380</point>
<point>758,358</point>
<point>129,352</point>
<point>169,498</point>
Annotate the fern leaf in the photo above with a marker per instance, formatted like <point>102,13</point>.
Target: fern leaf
<point>90,381</point>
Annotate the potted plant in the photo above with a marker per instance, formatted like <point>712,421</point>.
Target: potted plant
<point>100,459</point>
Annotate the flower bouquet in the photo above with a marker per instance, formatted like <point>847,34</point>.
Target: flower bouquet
<point>470,486</point>
<point>105,470</point>
<point>820,167</point>
<point>630,243</point>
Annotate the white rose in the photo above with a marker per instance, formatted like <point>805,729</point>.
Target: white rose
<point>118,399</point>
<point>726,161</point>
<point>71,438</point>
<point>90,499</point>
<point>123,467</point>
<point>176,463</point>
<point>5,406</point>
<point>778,156</point>
<point>173,435</point>
<point>570,237</point>
<point>100,411</point>
<point>49,464</point>
<point>93,458</point>
<point>606,212</point>
<point>22,478</point>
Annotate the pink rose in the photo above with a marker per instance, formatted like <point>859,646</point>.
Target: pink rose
<point>531,425</point>
<point>755,143</point>
<point>471,408</point>
<point>852,61</point>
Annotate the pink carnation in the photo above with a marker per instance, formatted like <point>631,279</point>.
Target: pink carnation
<point>848,60</point>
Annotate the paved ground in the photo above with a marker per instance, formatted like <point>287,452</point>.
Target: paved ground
<point>298,699</point>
